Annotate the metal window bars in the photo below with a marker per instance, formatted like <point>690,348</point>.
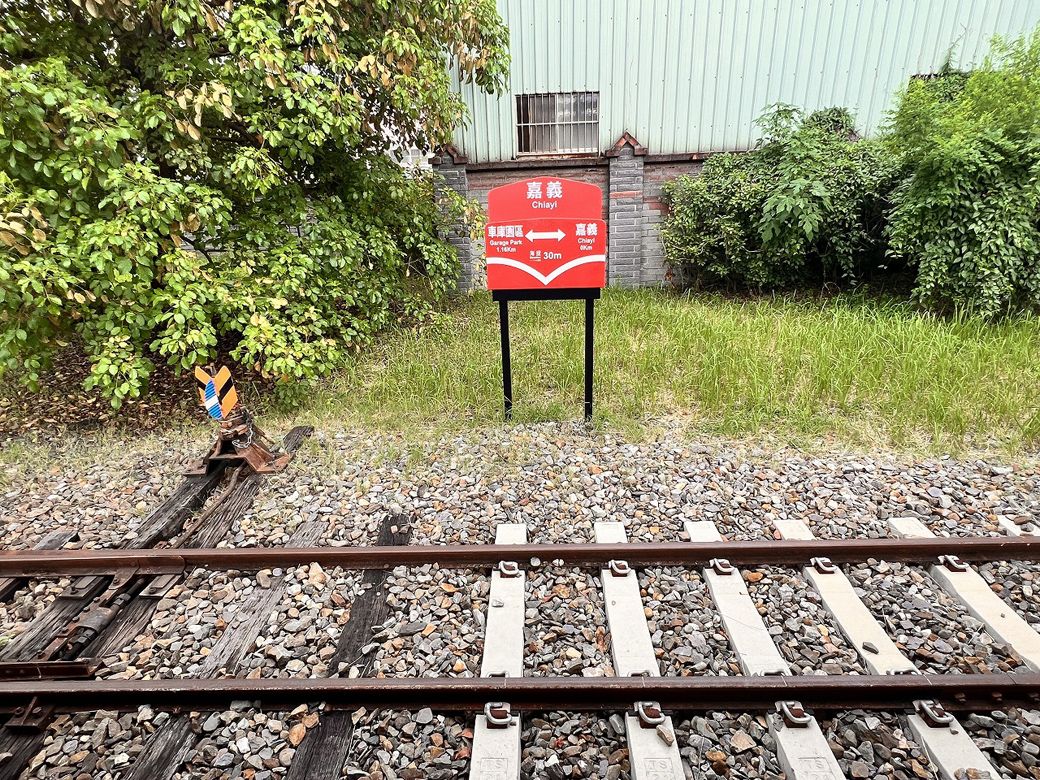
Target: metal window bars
<point>557,123</point>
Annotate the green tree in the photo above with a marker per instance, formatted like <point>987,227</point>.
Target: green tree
<point>803,207</point>
<point>967,214</point>
<point>181,174</point>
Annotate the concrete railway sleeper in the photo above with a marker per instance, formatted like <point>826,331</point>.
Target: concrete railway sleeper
<point>943,738</point>
<point>800,744</point>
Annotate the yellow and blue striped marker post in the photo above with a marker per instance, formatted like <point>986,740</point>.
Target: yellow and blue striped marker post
<point>217,393</point>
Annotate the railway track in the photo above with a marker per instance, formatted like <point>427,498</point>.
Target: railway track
<point>56,667</point>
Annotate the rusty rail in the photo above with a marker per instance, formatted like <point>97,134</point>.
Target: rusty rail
<point>685,694</point>
<point>47,670</point>
<point>37,563</point>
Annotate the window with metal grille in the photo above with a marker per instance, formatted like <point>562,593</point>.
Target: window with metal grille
<point>557,123</point>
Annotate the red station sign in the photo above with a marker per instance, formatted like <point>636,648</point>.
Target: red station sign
<point>545,233</point>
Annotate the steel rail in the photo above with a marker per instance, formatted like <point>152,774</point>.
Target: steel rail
<point>685,694</point>
<point>38,563</point>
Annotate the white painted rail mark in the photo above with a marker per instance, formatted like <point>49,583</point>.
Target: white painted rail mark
<point>875,647</point>
<point>802,749</point>
<point>968,586</point>
<point>496,734</point>
<point>652,748</point>
<point>948,747</point>
<point>748,635</point>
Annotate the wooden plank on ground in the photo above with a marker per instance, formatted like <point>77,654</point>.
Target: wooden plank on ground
<point>242,630</point>
<point>166,521</point>
<point>324,750</point>
<point>168,748</point>
<point>19,747</point>
<point>134,618</point>
<point>161,524</point>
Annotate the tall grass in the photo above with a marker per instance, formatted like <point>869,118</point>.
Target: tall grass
<point>863,370</point>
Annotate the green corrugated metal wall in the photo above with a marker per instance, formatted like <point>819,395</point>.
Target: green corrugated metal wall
<point>692,75</point>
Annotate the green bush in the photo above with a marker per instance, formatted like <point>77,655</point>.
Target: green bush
<point>804,206</point>
<point>178,176</point>
<point>967,215</point>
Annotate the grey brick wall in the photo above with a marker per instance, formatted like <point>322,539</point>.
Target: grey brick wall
<point>655,268</point>
<point>453,176</point>
<point>625,220</point>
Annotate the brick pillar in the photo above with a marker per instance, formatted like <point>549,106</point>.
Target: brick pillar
<point>451,165</point>
<point>625,213</point>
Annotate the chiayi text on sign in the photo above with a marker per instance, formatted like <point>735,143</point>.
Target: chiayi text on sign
<point>545,233</point>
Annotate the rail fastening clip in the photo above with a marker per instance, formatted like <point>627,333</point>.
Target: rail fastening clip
<point>793,714</point>
<point>499,714</point>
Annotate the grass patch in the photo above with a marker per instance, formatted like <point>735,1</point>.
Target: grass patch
<point>859,370</point>
<point>83,449</point>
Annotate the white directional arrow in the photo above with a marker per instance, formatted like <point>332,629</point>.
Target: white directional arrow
<point>557,234</point>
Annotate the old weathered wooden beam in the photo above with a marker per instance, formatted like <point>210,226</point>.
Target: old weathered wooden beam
<point>324,750</point>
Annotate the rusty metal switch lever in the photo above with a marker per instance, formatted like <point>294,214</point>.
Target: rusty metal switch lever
<point>241,440</point>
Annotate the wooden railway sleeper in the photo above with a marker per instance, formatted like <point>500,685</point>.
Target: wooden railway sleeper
<point>203,517</point>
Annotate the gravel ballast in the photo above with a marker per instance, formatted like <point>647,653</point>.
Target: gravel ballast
<point>558,480</point>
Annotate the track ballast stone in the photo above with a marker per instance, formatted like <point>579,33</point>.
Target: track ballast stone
<point>558,480</point>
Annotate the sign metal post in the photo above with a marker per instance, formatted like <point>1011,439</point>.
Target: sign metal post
<point>545,240</point>
<point>587,294</point>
